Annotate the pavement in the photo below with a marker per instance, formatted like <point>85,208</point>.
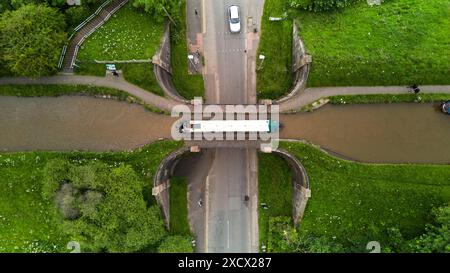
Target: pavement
<point>315,93</point>
<point>194,12</point>
<point>111,82</point>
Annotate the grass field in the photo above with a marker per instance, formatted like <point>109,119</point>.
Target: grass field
<point>128,34</point>
<point>27,222</point>
<point>275,189</point>
<point>354,203</point>
<point>188,86</point>
<point>179,206</point>
<point>140,74</point>
<point>400,42</point>
<point>30,224</point>
<point>274,79</point>
<point>384,98</point>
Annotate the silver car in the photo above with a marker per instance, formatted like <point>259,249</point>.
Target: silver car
<point>234,19</point>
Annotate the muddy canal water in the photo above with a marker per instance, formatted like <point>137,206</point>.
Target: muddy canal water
<point>401,132</point>
<point>371,133</point>
<point>77,123</point>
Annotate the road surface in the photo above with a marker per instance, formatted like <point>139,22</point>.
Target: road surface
<point>231,225</point>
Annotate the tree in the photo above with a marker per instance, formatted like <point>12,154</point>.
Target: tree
<point>31,39</point>
<point>176,244</point>
<point>103,207</point>
<point>121,221</point>
<point>161,9</point>
<point>437,237</point>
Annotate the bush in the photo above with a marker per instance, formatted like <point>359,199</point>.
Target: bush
<point>285,238</point>
<point>437,237</point>
<point>31,39</point>
<point>104,207</point>
<point>67,202</point>
<point>321,5</point>
<point>176,244</point>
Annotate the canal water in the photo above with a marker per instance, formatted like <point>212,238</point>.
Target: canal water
<point>403,132</point>
<point>371,133</point>
<point>77,123</point>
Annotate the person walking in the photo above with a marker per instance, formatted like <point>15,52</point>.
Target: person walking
<point>196,12</point>
<point>414,88</point>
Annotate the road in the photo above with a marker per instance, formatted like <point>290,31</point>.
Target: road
<point>231,225</point>
<point>225,55</point>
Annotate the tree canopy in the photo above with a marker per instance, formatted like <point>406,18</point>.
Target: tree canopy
<point>436,239</point>
<point>160,9</point>
<point>31,39</point>
<point>103,207</point>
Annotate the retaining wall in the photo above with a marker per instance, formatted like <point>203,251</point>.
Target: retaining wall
<point>301,62</point>
<point>162,68</point>
<point>300,183</point>
<point>161,182</point>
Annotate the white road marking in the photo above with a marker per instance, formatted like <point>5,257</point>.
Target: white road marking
<point>228,237</point>
<point>203,17</point>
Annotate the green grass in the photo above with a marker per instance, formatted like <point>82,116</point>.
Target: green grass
<point>187,85</point>
<point>274,79</point>
<point>140,74</point>
<point>388,98</point>
<point>128,34</point>
<point>384,98</point>
<point>354,203</point>
<point>400,42</point>
<point>179,223</point>
<point>28,222</point>
<point>58,90</point>
<point>61,90</point>
<point>275,189</point>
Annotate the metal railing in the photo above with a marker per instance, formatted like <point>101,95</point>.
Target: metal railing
<point>80,26</point>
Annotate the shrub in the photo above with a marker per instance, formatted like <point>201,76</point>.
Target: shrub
<point>66,201</point>
<point>321,5</point>
<point>176,244</point>
<point>104,207</point>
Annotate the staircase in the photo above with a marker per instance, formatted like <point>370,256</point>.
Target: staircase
<point>70,50</point>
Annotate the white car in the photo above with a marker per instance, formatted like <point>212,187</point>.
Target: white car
<point>233,18</point>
